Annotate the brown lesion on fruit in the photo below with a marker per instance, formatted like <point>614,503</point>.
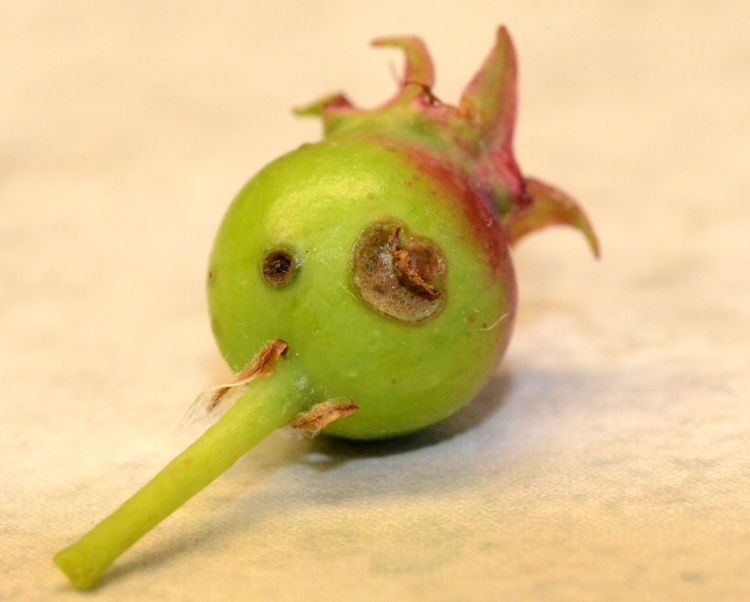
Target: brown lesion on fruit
<point>279,267</point>
<point>416,266</point>
<point>322,414</point>
<point>397,274</point>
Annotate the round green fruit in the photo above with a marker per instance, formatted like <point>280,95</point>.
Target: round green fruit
<point>361,286</point>
<point>408,357</point>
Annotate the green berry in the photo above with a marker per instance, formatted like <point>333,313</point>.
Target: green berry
<point>406,358</point>
<point>361,286</point>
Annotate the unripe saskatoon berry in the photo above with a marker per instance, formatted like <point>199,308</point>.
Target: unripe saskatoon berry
<point>361,285</point>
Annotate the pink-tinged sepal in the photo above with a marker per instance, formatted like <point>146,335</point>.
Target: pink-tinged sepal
<point>489,103</point>
<point>490,100</point>
<point>474,140</point>
<point>418,69</point>
<point>415,89</point>
<point>333,109</point>
<point>545,206</point>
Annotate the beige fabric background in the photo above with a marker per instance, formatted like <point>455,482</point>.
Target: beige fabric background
<point>608,460</point>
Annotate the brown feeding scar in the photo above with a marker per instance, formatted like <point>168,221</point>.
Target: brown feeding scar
<point>414,267</point>
<point>398,274</point>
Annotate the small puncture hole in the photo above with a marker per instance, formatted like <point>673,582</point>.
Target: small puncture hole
<point>279,267</point>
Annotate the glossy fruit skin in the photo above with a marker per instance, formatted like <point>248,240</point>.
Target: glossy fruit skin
<point>315,202</point>
<point>376,264</point>
<point>447,175</point>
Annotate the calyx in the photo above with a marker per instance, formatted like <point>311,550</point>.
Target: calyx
<point>475,137</point>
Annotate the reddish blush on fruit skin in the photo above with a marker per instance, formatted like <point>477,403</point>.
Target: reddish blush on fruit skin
<point>486,228</point>
<point>476,206</point>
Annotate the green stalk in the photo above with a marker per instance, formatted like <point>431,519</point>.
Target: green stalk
<point>269,404</point>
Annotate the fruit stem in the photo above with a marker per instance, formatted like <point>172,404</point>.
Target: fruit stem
<point>269,404</point>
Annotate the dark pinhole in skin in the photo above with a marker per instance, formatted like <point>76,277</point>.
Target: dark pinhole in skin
<point>279,267</point>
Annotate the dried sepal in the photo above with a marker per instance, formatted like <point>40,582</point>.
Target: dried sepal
<point>224,396</point>
<point>322,414</point>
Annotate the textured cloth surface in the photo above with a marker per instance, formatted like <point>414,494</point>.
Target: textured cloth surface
<point>609,459</point>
